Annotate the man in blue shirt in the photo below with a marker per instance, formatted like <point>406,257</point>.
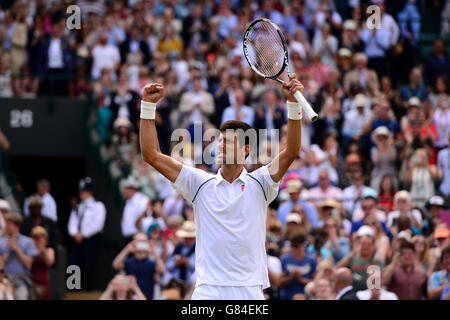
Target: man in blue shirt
<point>17,252</point>
<point>298,268</point>
<point>294,187</point>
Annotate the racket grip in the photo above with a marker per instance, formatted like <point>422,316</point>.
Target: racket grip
<point>306,107</point>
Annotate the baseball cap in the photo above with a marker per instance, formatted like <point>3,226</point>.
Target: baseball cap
<point>436,201</point>
<point>331,203</point>
<point>360,100</point>
<point>441,233</point>
<point>86,184</point>
<point>344,53</point>
<point>4,205</point>
<point>349,25</point>
<point>365,231</point>
<point>293,185</point>
<point>293,217</point>
<point>370,193</point>
<point>402,194</point>
<point>414,101</point>
<point>380,131</point>
<point>404,235</point>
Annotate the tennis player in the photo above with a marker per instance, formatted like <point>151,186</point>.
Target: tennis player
<point>229,207</point>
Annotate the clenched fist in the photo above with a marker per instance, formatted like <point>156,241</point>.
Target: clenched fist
<point>153,92</point>
<point>291,86</point>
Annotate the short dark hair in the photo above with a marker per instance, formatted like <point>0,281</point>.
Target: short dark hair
<point>445,251</point>
<point>298,239</point>
<point>235,125</point>
<point>407,245</point>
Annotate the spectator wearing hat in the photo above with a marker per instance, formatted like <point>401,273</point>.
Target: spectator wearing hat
<point>298,268</point>
<point>403,207</point>
<point>383,155</point>
<point>441,237</point>
<point>181,264</point>
<point>17,253</point>
<point>344,58</point>
<point>36,218</point>
<point>355,118</point>
<point>49,210</point>
<point>136,204</point>
<point>443,169</point>
<point>293,188</point>
<point>368,208</point>
<point>324,190</point>
<point>361,257</point>
<point>45,259</point>
<point>440,280</point>
<point>352,194</point>
<point>85,226</point>
<point>4,209</point>
<point>294,225</point>
<point>361,76</point>
<point>435,207</point>
<point>140,259</point>
<point>343,285</point>
<point>403,276</point>
<point>124,145</point>
<point>334,209</point>
<point>350,39</point>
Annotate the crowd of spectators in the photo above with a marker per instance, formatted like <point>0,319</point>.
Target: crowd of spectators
<point>371,184</point>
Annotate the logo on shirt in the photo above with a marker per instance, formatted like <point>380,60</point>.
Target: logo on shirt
<point>242,187</point>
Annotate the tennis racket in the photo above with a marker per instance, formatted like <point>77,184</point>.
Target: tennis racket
<point>266,52</point>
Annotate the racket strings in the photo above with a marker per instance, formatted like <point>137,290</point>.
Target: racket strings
<point>266,50</point>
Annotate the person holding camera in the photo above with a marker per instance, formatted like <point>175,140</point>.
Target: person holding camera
<point>139,259</point>
<point>123,287</point>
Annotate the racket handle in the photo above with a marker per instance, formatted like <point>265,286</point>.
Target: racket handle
<point>306,107</point>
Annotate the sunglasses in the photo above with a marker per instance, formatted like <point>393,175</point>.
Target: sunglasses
<point>331,225</point>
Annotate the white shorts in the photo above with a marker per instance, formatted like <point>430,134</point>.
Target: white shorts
<point>210,292</point>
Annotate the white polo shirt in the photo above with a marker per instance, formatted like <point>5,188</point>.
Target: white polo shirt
<point>230,221</point>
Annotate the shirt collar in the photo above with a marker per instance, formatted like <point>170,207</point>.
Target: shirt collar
<point>343,291</point>
<point>219,177</point>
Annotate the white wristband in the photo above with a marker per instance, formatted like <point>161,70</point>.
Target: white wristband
<point>294,110</point>
<point>148,110</point>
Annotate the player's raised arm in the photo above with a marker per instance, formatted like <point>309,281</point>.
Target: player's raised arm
<point>167,166</point>
<point>282,162</point>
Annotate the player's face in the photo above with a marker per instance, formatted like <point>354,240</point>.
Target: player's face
<point>230,150</point>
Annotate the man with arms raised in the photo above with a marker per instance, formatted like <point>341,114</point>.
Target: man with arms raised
<point>230,207</point>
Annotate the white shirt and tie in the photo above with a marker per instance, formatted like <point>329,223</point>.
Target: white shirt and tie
<point>48,210</point>
<point>134,207</point>
<point>230,223</point>
<point>88,218</point>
